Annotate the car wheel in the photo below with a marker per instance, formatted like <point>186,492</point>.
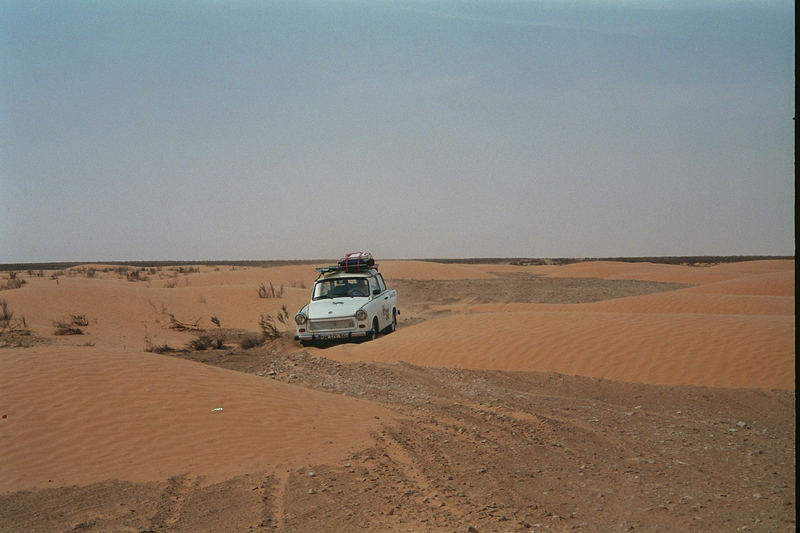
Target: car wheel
<point>374,334</point>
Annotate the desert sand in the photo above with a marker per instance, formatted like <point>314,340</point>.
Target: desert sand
<point>592,396</point>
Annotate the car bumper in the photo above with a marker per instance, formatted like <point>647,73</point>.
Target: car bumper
<point>338,335</point>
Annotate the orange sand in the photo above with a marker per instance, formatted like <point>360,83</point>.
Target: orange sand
<point>78,414</point>
<point>83,415</point>
<point>734,329</point>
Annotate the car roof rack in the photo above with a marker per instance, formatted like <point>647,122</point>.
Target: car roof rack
<point>338,268</point>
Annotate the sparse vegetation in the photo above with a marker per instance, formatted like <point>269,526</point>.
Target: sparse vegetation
<point>13,282</point>
<point>160,348</point>
<point>177,325</point>
<point>215,340</point>
<point>150,346</point>
<point>68,327</point>
<point>271,292</point>
<point>251,340</point>
<point>14,332</point>
<point>137,275</point>
<point>6,314</point>
<point>79,320</point>
<point>283,316</point>
<point>7,321</point>
<point>268,327</point>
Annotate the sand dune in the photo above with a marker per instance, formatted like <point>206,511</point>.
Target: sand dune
<point>669,273</point>
<point>87,408</point>
<point>768,284</point>
<point>82,415</point>
<point>122,314</point>
<point>735,329</point>
<point>717,351</point>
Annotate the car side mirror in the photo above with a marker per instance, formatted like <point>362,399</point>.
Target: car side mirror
<point>376,292</point>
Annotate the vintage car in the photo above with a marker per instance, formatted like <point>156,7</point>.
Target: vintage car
<point>347,303</point>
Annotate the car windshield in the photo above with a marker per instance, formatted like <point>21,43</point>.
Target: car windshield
<point>341,288</point>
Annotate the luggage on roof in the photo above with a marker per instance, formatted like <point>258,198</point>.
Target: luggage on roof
<point>356,261</point>
<point>352,262</point>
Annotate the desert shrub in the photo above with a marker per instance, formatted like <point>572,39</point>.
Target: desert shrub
<point>79,320</point>
<point>271,292</point>
<point>177,325</point>
<point>268,327</point>
<point>12,283</point>
<point>10,324</point>
<point>205,341</point>
<point>71,326</point>
<point>65,328</point>
<point>251,340</point>
<point>137,275</point>
<point>160,348</point>
<point>215,321</point>
<point>150,346</point>
<point>6,314</point>
<point>283,316</point>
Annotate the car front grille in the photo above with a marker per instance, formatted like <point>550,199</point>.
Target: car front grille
<point>334,324</point>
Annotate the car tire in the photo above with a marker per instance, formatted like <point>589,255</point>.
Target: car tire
<point>374,334</point>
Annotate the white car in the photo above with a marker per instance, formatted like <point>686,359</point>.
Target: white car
<point>347,305</point>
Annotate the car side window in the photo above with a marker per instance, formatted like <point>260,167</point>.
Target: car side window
<point>381,284</point>
<point>373,285</point>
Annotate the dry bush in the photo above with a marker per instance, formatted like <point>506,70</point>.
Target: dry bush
<point>13,282</point>
<point>160,348</point>
<point>186,270</point>
<point>268,327</point>
<point>251,340</point>
<point>6,314</point>
<point>65,328</point>
<point>177,325</point>
<point>79,320</point>
<point>137,275</point>
<point>271,292</point>
<point>71,326</point>
<point>8,324</point>
<point>150,346</point>
<point>214,340</point>
<point>283,316</point>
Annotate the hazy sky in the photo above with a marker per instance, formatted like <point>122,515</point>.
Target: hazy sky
<point>151,130</point>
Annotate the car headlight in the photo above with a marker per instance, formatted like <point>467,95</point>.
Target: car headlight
<point>300,318</point>
<point>361,314</point>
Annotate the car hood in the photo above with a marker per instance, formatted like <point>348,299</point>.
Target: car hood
<point>336,307</point>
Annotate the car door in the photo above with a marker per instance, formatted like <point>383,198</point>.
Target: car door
<point>386,302</point>
<point>376,300</point>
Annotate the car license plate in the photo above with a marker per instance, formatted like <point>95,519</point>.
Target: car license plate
<point>334,336</point>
